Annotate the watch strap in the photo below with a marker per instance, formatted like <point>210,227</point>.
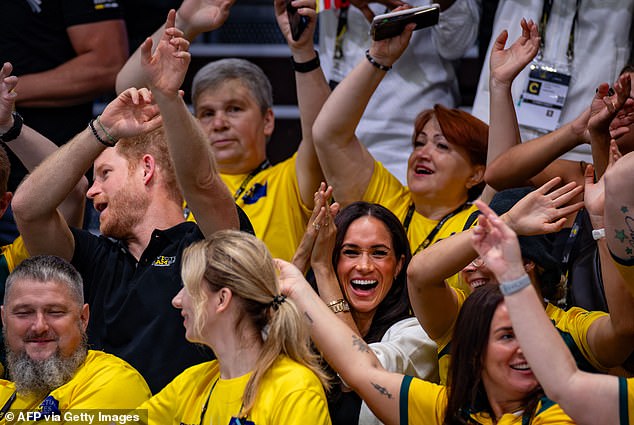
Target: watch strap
<point>15,129</point>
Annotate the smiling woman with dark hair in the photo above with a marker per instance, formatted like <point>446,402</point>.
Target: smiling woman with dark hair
<point>359,258</point>
<point>376,302</point>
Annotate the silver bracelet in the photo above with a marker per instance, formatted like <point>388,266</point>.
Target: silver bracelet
<point>513,286</point>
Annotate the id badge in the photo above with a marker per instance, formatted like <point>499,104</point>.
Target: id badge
<point>542,102</point>
<point>238,421</point>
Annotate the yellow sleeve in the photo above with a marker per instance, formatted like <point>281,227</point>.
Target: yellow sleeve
<point>310,402</point>
<point>573,324</point>
<point>109,383</point>
<point>444,356</point>
<point>422,402</point>
<point>182,399</point>
<point>15,253</point>
<point>387,190</point>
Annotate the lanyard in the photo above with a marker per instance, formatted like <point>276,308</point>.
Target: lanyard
<point>263,166</point>
<point>7,405</point>
<point>546,9</point>
<point>342,27</point>
<point>202,413</point>
<point>424,244</point>
<point>570,242</point>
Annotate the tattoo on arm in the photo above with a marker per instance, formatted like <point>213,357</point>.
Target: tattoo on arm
<point>626,235</point>
<point>360,344</point>
<point>382,390</point>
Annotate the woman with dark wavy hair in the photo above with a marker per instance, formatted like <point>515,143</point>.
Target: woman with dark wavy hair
<point>379,302</point>
<point>360,257</point>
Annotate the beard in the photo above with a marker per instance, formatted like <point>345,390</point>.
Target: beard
<point>125,210</point>
<point>40,377</point>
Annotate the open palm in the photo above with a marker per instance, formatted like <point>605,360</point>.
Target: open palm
<point>505,64</point>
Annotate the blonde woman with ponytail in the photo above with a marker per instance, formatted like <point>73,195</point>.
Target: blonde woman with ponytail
<point>265,372</point>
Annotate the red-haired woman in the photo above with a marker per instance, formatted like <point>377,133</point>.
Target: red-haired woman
<point>445,169</point>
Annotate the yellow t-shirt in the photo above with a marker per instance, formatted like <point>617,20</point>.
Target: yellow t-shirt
<point>572,324</point>
<point>288,394</point>
<point>272,201</point>
<point>12,255</point>
<point>387,190</point>
<point>422,402</point>
<point>103,383</point>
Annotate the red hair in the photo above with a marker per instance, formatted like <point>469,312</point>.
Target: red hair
<point>460,129</point>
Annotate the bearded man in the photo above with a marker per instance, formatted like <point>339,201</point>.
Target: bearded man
<point>51,369</point>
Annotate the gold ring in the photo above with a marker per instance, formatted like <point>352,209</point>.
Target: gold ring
<point>316,225</point>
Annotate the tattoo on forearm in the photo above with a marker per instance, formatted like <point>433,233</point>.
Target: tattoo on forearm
<point>626,235</point>
<point>360,344</point>
<point>382,390</point>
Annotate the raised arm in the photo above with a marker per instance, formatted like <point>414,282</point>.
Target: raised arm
<point>31,148</point>
<point>312,92</point>
<point>193,17</point>
<point>194,162</point>
<point>346,163</point>
<point>505,65</point>
<point>610,338</point>
<point>536,160</point>
<point>35,202</point>
<point>101,48</point>
<point>619,216</point>
<point>316,248</point>
<point>587,398</point>
<point>344,350</point>
<point>434,302</point>
<point>505,147</point>
<point>605,106</point>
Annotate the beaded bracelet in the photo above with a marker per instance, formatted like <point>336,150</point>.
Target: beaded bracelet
<point>375,63</point>
<point>112,139</point>
<point>91,124</point>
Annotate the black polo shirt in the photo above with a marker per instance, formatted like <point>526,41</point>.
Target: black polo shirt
<point>131,312</point>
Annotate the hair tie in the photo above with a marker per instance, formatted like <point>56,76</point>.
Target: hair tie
<point>277,301</point>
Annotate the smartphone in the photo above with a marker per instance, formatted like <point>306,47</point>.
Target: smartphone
<point>392,24</point>
<point>297,22</point>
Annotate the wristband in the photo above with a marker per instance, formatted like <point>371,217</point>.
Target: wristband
<point>304,67</point>
<point>513,286</point>
<point>15,129</point>
<point>598,234</point>
<point>339,306</point>
<point>375,63</point>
